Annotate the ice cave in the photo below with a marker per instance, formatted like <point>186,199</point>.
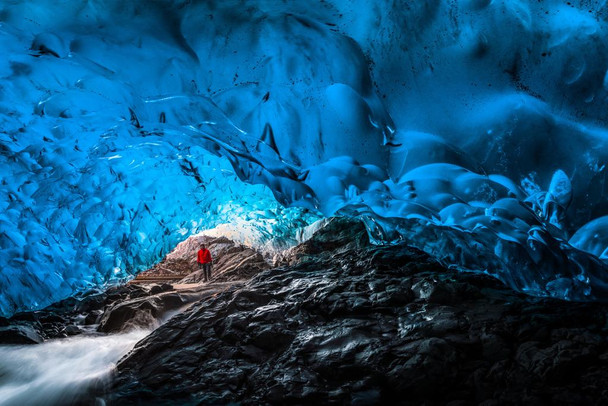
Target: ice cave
<point>467,136</point>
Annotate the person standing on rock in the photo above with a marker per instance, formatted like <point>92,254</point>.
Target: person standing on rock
<point>204,261</point>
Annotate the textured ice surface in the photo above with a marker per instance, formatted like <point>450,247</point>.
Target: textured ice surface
<point>475,130</point>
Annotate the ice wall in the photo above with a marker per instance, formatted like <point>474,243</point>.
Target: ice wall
<point>475,130</point>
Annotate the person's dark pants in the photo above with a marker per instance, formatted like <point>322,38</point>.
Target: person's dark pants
<point>206,270</point>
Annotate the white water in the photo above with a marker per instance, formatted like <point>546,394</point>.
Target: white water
<point>57,372</point>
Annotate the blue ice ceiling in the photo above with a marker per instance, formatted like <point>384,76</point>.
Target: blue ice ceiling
<point>474,130</point>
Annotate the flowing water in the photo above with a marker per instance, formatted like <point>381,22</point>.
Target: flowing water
<point>60,371</point>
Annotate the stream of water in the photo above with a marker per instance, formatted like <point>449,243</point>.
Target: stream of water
<point>60,371</point>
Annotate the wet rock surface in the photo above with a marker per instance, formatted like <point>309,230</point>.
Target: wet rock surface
<point>346,322</point>
<point>19,334</point>
<point>67,317</point>
<point>143,303</point>
<point>141,312</point>
<point>118,309</point>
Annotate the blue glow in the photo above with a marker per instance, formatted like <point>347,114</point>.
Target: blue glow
<point>474,130</point>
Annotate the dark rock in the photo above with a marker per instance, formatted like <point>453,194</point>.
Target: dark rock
<point>137,313</point>
<point>165,287</point>
<point>19,334</point>
<point>156,289</point>
<point>345,322</point>
<point>63,318</point>
<point>93,317</point>
<point>144,312</point>
<point>72,330</point>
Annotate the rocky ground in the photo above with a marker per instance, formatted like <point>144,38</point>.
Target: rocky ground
<point>118,309</point>
<point>231,261</point>
<point>351,323</point>
<point>341,321</point>
<point>155,295</point>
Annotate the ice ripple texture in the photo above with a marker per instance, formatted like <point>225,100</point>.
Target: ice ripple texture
<point>474,130</point>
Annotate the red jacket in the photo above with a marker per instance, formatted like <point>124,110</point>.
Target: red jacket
<point>204,256</point>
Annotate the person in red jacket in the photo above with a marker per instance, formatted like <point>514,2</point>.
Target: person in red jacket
<point>204,261</point>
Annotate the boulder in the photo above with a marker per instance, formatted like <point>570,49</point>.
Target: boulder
<point>145,312</point>
<point>19,334</point>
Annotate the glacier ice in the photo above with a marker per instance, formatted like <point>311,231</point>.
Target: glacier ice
<point>474,130</point>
